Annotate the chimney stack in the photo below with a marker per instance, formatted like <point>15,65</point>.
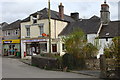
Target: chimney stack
<point>61,11</point>
<point>75,15</point>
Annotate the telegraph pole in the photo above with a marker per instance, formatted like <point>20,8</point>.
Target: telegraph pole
<point>49,17</point>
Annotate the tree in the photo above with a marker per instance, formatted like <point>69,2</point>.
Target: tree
<point>113,49</point>
<point>75,42</point>
<point>90,50</point>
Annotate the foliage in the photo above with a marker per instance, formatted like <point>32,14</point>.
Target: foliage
<point>90,50</point>
<point>75,42</point>
<point>113,49</point>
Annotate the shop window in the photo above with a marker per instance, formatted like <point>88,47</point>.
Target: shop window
<point>54,47</point>
<point>43,47</point>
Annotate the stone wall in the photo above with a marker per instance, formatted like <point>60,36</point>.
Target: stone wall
<point>93,64</point>
<point>44,62</point>
<point>110,64</point>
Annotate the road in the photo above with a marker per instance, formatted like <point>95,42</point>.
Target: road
<point>13,68</point>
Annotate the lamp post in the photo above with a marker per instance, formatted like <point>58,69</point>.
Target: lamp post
<point>49,17</point>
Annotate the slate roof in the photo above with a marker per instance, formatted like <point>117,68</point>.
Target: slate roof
<point>87,25</point>
<point>54,15</point>
<point>13,25</point>
<point>111,30</point>
<point>3,25</point>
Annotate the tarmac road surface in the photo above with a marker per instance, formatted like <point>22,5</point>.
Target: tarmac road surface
<point>13,68</point>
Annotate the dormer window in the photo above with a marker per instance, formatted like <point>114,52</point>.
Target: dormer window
<point>107,34</point>
<point>34,19</point>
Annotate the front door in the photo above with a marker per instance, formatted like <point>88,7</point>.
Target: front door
<point>54,47</point>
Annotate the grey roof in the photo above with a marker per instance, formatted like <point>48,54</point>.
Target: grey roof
<point>87,25</point>
<point>110,30</point>
<point>54,15</point>
<point>13,25</point>
<point>3,24</point>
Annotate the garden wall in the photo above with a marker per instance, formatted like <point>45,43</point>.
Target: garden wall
<point>93,64</point>
<point>44,62</point>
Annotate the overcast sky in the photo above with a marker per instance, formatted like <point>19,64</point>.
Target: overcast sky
<point>12,10</point>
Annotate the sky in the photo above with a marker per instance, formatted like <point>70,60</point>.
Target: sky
<point>12,10</point>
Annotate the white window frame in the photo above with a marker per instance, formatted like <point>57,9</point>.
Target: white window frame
<point>41,27</point>
<point>8,33</point>
<point>16,31</point>
<point>27,32</point>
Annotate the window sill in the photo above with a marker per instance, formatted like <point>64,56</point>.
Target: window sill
<point>40,36</point>
<point>27,37</point>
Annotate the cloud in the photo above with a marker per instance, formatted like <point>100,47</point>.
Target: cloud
<point>15,9</point>
<point>119,10</point>
<point>57,0</point>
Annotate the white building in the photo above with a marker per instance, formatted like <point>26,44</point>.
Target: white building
<point>1,35</point>
<point>35,32</point>
<point>96,27</point>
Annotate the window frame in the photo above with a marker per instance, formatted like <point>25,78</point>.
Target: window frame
<point>41,28</point>
<point>28,31</point>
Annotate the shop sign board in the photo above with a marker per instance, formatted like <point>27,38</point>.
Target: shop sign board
<point>34,40</point>
<point>11,41</point>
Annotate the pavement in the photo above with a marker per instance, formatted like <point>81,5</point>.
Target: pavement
<point>94,73</point>
<point>0,67</point>
<point>26,61</point>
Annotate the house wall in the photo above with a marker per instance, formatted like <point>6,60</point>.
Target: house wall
<point>56,27</point>
<point>13,39</point>
<point>12,34</point>
<point>91,38</point>
<point>103,43</point>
